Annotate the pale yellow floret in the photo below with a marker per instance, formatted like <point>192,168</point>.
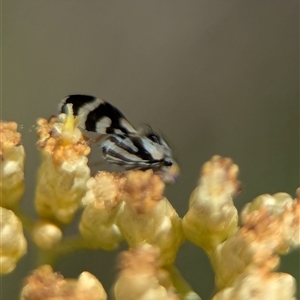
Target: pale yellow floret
<point>256,284</point>
<point>212,216</point>
<point>285,210</point>
<point>269,225</point>
<point>103,202</point>
<point>140,276</point>
<point>148,216</point>
<point>63,173</point>
<point>46,285</point>
<point>12,157</point>
<point>46,235</point>
<point>233,256</point>
<point>13,244</point>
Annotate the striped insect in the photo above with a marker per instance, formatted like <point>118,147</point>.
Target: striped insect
<point>120,142</point>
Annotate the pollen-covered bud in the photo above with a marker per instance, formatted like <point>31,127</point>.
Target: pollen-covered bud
<point>46,235</point>
<point>63,173</point>
<point>148,216</point>
<point>140,276</point>
<point>12,157</point>
<point>282,208</point>
<point>269,225</point>
<point>13,244</point>
<point>46,285</point>
<point>259,285</point>
<point>212,217</point>
<point>143,190</point>
<point>103,201</point>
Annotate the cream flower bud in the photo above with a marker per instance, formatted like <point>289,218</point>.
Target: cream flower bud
<point>148,216</point>
<point>235,254</point>
<point>275,204</point>
<point>269,226</point>
<point>46,235</point>
<point>103,202</point>
<point>63,173</point>
<point>255,284</point>
<point>46,285</point>
<point>212,217</point>
<point>285,211</point>
<point>139,278</point>
<point>13,244</point>
<point>12,157</point>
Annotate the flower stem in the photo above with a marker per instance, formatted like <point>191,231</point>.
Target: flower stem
<point>67,245</point>
<point>26,220</point>
<point>181,285</point>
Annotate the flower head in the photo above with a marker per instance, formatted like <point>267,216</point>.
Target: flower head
<point>148,217</point>
<point>13,244</point>
<point>143,190</point>
<point>140,275</point>
<point>12,157</point>
<point>103,202</point>
<point>212,217</point>
<point>270,225</point>
<point>259,285</point>
<point>63,173</point>
<point>46,285</point>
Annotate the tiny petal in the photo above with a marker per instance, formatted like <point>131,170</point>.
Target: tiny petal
<point>12,156</point>
<point>89,287</point>
<point>13,244</point>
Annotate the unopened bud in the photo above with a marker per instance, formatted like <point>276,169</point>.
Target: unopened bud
<point>46,235</point>
<point>269,226</point>
<point>63,173</point>
<point>258,285</point>
<point>12,157</point>
<point>212,216</point>
<point>148,217</point>
<point>13,244</point>
<point>140,276</point>
<point>103,201</point>
<point>46,285</point>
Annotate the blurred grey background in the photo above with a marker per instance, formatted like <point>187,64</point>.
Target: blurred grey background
<point>215,77</point>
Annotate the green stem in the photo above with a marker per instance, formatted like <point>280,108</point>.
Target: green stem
<point>27,221</point>
<point>50,256</point>
<point>181,285</point>
<point>65,246</point>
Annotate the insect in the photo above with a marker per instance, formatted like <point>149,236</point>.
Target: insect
<point>121,143</point>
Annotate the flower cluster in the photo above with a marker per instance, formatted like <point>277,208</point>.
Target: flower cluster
<point>46,285</point>
<point>132,207</point>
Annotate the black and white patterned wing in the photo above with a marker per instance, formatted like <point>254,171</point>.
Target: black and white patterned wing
<point>133,152</point>
<point>97,115</point>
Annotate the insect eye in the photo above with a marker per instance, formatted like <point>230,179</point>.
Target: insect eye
<point>153,137</point>
<point>168,163</point>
